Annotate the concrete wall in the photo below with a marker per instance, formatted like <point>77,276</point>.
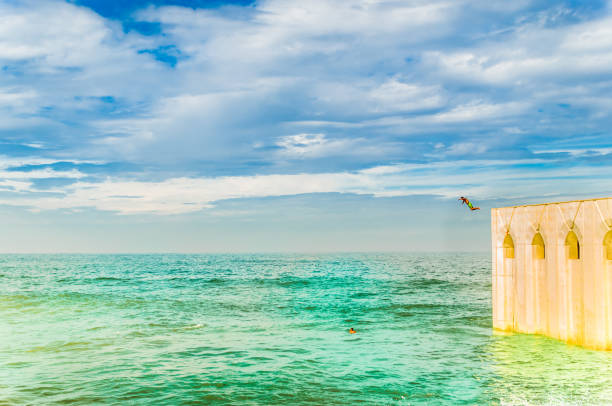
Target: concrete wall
<point>563,289</point>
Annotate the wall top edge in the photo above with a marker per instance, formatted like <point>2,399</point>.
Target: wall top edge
<point>551,203</point>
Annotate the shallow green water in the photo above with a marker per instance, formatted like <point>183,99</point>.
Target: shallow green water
<point>271,329</point>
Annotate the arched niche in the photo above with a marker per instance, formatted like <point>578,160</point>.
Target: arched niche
<point>508,247</point>
<point>607,242</point>
<point>539,250</point>
<point>571,241</point>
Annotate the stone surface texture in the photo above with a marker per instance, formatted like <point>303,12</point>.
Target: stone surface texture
<point>557,283</point>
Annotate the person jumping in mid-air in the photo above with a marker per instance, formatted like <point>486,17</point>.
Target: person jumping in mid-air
<point>469,204</point>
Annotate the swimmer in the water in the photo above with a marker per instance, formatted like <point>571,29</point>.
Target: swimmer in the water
<point>352,331</point>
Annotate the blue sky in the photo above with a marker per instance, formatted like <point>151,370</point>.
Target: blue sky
<point>211,126</point>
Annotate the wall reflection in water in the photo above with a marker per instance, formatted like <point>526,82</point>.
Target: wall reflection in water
<point>532,369</point>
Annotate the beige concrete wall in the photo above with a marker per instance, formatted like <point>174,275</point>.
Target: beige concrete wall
<point>568,299</point>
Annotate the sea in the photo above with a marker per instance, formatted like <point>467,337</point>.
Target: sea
<point>272,329</point>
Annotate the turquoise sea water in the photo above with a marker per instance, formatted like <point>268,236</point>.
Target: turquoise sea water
<point>273,329</point>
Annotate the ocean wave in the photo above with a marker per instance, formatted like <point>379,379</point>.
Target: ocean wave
<point>241,330</point>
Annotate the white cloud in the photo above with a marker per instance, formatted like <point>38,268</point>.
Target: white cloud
<point>312,145</point>
<point>247,72</point>
<point>46,173</point>
<point>533,52</point>
<point>54,34</point>
<point>576,152</point>
<point>478,111</point>
<point>278,30</point>
<point>464,148</point>
<point>362,80</point>
<point>394,96</point>
<point>59,60</point>
<point>239,68</point>
<point>17,162</point>
<point>11,97</point>
<point>182,195</point>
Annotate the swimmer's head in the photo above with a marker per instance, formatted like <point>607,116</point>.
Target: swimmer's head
<point>352,331</point>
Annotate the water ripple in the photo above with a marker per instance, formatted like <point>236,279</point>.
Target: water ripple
<point>273,329</point>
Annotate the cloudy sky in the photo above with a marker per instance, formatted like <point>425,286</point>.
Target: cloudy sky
<point>286,125</point>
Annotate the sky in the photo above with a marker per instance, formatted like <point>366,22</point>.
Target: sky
<point>295,126</point>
